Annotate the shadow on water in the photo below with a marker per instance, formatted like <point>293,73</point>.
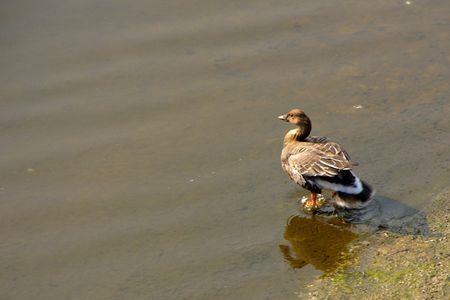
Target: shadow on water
<point>388,214</point>
<point>323,240</point>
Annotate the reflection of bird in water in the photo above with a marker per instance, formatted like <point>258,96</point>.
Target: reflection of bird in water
<point>316,241</point>
<point>317,163</point>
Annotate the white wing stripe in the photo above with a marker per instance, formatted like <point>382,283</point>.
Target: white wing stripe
<point>356,188</point>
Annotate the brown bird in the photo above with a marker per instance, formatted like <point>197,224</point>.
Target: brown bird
<point>317,163</point>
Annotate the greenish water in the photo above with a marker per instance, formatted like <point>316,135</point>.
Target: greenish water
<point>140,146</point>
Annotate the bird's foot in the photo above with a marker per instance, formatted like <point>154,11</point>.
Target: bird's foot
<point>311,206</point>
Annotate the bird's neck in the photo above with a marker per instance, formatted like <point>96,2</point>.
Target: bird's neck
<point>298,134</point>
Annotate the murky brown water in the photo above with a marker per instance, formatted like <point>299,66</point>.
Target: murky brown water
<point>313,240</point>
<point>140,147</point>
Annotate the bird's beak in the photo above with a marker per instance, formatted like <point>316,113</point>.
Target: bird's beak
<point>283,117</point>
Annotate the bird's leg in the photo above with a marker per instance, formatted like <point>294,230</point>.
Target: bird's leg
<point>314,199</point>
<point>312,202</point>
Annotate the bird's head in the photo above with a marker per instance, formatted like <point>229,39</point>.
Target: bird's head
<point>298,117</point>
<point>295,116</point>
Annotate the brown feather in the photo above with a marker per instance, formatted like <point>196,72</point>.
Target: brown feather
<point>316,156</point>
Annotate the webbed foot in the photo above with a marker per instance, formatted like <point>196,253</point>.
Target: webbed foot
<point>314,203</point>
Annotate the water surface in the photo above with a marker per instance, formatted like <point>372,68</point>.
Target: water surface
<point>140,147</point>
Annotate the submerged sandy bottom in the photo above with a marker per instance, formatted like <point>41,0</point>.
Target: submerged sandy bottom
<point>140,147</point>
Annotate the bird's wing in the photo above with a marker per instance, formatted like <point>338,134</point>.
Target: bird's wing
<point>326,145</point>
<point>325,160</point>
<point>317,139</point>
<point>293,173</point>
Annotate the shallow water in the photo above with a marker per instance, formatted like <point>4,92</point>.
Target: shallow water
<point>321,242</point>
<point>140,145</point>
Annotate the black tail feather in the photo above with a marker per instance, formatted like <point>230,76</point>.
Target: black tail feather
<point>354,200</point>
